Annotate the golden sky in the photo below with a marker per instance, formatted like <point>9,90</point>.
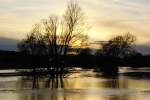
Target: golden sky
<point>104,17</point>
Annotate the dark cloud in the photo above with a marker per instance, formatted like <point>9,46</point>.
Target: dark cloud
<point>143,48</point>
<point>8,44</point>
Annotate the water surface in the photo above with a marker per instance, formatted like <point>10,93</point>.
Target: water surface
<point>82,85</point>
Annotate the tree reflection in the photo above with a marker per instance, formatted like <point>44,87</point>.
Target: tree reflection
<point>49,88</point>
<point>54,82</point>
<point>41,83</point>
<point>49,81</point>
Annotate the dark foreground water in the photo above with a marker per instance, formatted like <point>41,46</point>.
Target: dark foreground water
<point>82,85</point>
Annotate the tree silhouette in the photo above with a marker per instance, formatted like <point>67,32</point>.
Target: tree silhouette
<point>55,36</point>
<point>119,46</point>
<point>33,44</point>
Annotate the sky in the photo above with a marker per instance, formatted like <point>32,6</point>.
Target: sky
<point>104,18</point>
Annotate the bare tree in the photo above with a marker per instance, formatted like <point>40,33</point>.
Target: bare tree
<point>58,35</point>
<point>33,44</point>
<point>72,18</point>
<point>119,46</point>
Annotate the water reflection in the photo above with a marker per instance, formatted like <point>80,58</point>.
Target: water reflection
<point>85,85</point>
<point>57,82</point>
<point>46,82</point>
<point>54,82</point>
<point>42,97</point>
<point>38,82</point>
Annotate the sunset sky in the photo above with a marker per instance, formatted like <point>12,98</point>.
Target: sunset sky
<point>104,17</point>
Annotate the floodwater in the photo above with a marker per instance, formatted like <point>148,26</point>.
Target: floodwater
<point>81,85</point>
